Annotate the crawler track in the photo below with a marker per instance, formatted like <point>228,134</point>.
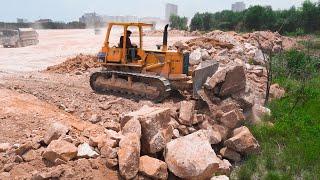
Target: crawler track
<point>146,86</point>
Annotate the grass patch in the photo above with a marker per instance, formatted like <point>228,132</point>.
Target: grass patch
<point>291,147</point>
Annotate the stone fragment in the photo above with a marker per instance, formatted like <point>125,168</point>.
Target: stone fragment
<point>183,130</point>
<point>54,132</point>
<point>23,148</point>
<point>197,118</point>
<point>102,140</point>
<point>258,112</point>
<point>176,133</point>
<point>30,155</point>
<point>225,167</point>
<point>55,173</point>
<point>181,46</point>
<point>60,150</point>
<point>216,78</point>
<point>191,157</point>
<point>230,154</point>
<point>173,123</point>
<point>86,151</point>
<point>228,106</point>
<point>129,155</point>
<point>186,112</point>
<point>232,119</point>
<point>221,177</point>
<point>214,136</point>
<point>243,141</point>
<point>18,159</point>
<point>113,135</point>
<point>276,92</point>
<point>111,163</point>
<point>109,152</point>
<point>112,125</point>
<point>153,168</point>
<point>195,57</point>
<point>95,118</point>
<point>4,147</point>
<point>222,130</point>
<point>8,167</point>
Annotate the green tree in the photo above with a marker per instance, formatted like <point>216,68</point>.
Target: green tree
<point>310,16</point>
<point>259,18</point>
<point>177,22</point>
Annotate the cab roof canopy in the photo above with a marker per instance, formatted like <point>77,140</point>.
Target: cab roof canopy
<point>130,24</point>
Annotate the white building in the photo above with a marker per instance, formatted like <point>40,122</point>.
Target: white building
<point>238,6</point>
<point>171,9</point>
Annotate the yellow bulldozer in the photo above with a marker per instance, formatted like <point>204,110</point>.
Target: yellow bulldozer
<point>150,74</point>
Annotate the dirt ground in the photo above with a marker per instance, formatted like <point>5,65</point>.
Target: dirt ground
<point>30,100</point>
<point>56,45</point>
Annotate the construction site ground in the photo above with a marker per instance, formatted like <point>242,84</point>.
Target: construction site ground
<point>30,99</point>
<point>56,45</point>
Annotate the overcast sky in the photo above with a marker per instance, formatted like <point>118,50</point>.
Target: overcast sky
<point>68,10</point>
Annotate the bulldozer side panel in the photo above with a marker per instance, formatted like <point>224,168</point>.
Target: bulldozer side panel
<point>114,55</point>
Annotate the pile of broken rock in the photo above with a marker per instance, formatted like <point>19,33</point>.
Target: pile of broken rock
<point>153,143</point>
<point>155,140</point>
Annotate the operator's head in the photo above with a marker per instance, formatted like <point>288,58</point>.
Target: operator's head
<point>129,33</point>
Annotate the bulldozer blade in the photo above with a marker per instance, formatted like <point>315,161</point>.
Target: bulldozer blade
<point>200,75</point>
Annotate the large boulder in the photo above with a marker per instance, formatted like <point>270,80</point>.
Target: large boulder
<point>60,151</point>
<point>191,157</point>
<point>155,127</point>
<point>243,141</point>
<point>54,132</point>
<point>235,81</point>
<point>129,149</point>
<point>153,168</point>
<point>129,155</point>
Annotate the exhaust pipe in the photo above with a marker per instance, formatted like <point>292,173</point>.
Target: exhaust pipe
<point>165,38</point>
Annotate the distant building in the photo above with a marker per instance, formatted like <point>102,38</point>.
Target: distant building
<point>107,19</point>
<point>90,19</point>
<point>43,21</point>
<point>171,9</point>
<point>21,20</point>
<point>238,6</point>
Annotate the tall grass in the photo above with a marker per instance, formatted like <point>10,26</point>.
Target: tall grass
<point>291,147</point>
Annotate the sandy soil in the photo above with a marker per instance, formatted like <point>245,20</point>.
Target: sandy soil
<point>56,45</point>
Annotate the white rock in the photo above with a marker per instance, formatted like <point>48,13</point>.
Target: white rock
<point>195,57</point>
<point>86,151</point>
<point>222,177</point>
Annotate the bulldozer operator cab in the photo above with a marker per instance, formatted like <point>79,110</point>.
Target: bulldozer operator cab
<point>120,47</point>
